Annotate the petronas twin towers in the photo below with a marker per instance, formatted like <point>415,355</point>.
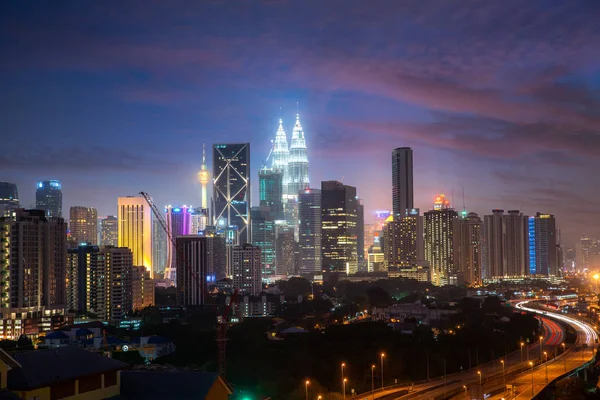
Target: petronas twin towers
<point>292,161</point>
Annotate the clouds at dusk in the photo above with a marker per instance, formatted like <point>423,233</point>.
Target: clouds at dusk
<point>501,98</point>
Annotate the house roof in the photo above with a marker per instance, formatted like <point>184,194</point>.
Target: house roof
<point>57,335</point>
<point>150,385</point>
<point>42,367</point>
<point>83,332</point>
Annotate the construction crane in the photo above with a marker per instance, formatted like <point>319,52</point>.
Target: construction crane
<point>264,165</point>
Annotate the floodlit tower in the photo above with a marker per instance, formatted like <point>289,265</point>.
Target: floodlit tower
<point>204,178</point>
<point>298,161</point>
<point>281,155</point>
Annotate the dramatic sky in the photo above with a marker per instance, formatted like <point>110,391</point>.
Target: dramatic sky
<point>499,97</point>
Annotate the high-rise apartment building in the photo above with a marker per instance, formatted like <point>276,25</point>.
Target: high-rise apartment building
<point>82,278</point>
<point>360,230</point>
<point>505,244</point>
<point>9,198</point>
<point>271,191</point>
<point>263,236</point>
<point>33,260</point>
<point>439,239</point>
<point>403,240</point>
<point>468,247</point>
<point>587,253</point>
<point>109,231</point>
<point>231,187</point>
<point>135,230</point>
<point>199,218</point>
<point>309,232</point>
<point>83,224</point>
<point>247,266</point>
<point>402,181</point>
<point>48,197</point>
<point>286,250</point>
<point>179,221</point>
<point>160,244</point>
<point>543,258</point>
<point>142,288</point>
<point>339,227</point>
<point>203,261</point>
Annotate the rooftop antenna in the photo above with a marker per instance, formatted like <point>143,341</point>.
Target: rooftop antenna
<point>297,107</point>
<point>463,195</point>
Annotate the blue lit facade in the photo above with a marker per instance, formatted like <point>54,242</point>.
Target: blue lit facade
<point>48,197</point>
<point>532,252</point>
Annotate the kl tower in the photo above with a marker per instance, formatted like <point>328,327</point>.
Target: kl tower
<point>204,177</point>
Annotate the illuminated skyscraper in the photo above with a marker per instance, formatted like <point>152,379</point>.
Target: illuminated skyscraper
<point>439,239</point>
<point>135,230</point>
<point>9,198</point>
<point>109,231</point>
<point>281,156</point>
<point>402,181</point>
<point>298,162</point>
<point>339,227</point>
<point>286,247</point>
<point>505,244</point>
<point>160,244</point>
<point>247,267</point>
<point>309,231</point>
<point>179,221</point>
<point>263,236</point>
<point>271,191</point>
<point>231,187</point>
<point>83,224</point>
<point>403,240</point>
<point>199,217</point>
<point>468,247</point>
<point>542,245</point>
<point>48,197</point>
<point>142,288</point>
<point>204,178</point>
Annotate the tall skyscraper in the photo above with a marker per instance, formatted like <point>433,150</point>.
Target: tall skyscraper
<point>160,244</point>
<point>309,231</point>
<point>204,178</point>
<point>83,224</point>
<point>135,230</point>
<point>82,278</point>
<point>587,250</point>
<point>247,266</point>
<point>33,260</point>
<point>505,244</point>
<point>360,231</point>
<point>339,227</point>
<point>543,258</point>
<point>199,217</point>
<point>231,187</point>
<point>48,197</point>
<point>271,191</point>
<point>179,221</point>
<point>439,239</point>
<point>468,247</point>
<point>286,247</point>
<point>298,161</point>
<point>402,181</point>
<point>109,231</point>
<point>9,198</point>
<point>403,240</point>
<point>281,156</point>
<point>263,236</point>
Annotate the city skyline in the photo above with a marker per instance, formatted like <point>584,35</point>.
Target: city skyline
<point>500,126</point>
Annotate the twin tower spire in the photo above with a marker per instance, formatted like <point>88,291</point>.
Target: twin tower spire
<point>292,161</point>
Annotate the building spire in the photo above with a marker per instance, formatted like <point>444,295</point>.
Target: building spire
<point>203,155</point>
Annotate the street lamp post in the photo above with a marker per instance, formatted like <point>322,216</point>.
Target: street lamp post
<point>373,380</point>
<point>344,388</point>
<point>319,397</point>
<point>343,365</point>
<point>564,357</point>
<point>546,362</point>
<point>382,356</point>
<point>522,344</point>
<point>466,395</point>
<point>503,375</point>
<point>527,351</point>
<point>541,347</point>
<point>532,391</point>
<point>479,373</point>
<point>306,388</point>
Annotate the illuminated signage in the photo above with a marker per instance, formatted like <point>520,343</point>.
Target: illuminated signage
<point>40,185</point>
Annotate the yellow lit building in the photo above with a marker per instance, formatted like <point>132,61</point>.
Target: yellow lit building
<point>439,241</point>
<point>135,230</point>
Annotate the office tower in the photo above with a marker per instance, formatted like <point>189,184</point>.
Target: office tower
<point>339,227</point>
<point>179,221</point>
<point>263,236</point>
<point>403,240</point>
<point>585,251</point>
<point>109,231</point>
<point>286,249</point>
<point>247,266</point>
<point>199,218</point>
<point>204,178</point>
<point>271,191</point>
<point>83,224</point>
<point>231,187</point>
<point>309,231</point>
<point>280,156</point>
<point>468,247</point>
<point>298,161</point>
<point>160,244</point>
<point>439,237</point>
<point>505,244</point>
<point>381,218</point>
<point>142,288</point>
<point>48,197</point>
<point>83,278</point>
<point>360,230</point>
<point>402,181</point>
<point>375,256</point>
<point>33,259</point>
<point>135,230</point>
<point>9,198</point>
<point>542,245</point>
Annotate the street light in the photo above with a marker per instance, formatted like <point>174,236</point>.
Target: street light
<point>546,355</point>
<point>541,346</point>
<point>532,392</point>
<point>319,397</point>
<point>503,375</point>
<point>382,356</point>
<point>306,388</point>
<point>522,344</point>
<point>373,380</point>
<point>343,365</point>
<point>466,395</point>
<point>479,373</point>
<point>344,388</point>
<point>564,357</point>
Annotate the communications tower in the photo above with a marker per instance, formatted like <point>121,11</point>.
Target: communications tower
<point>204,178</point>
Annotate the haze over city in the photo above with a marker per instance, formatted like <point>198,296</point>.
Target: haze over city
<point>500,100</point>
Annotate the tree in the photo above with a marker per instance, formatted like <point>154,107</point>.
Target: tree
<point>295,287</point>
<point>378,297</point>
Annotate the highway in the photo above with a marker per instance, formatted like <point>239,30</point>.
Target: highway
<point>490,372</point>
